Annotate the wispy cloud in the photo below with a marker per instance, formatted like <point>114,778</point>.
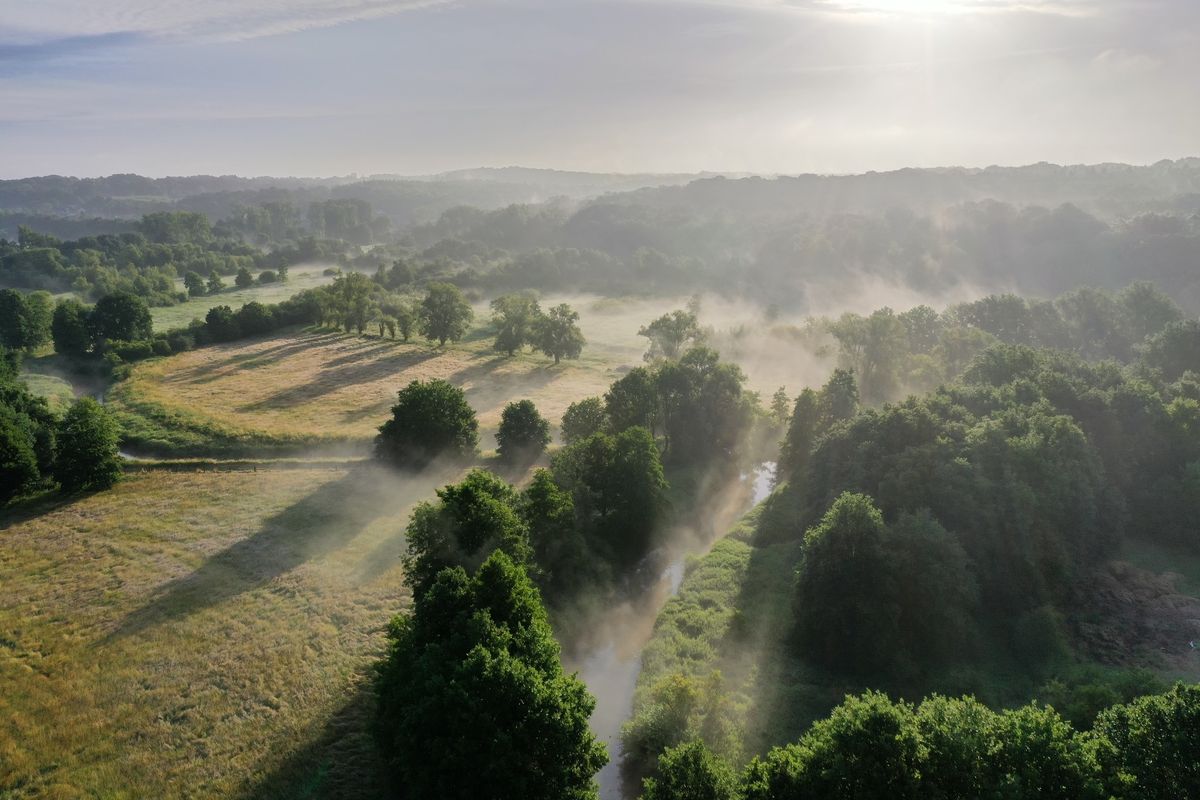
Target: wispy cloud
<point>48,21</point>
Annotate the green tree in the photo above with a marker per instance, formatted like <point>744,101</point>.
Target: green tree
<point>839,397</point>
<point>120,316</point>
<point>445,313</point>
<point>670,333</point>
<point>867,748</point>
<point>523,433</point>
<point>515,317</point>
<point>24,319</point>
<point>565,564</point>
<point>557,334</point>
<point>214,285</point>
<point>583,418</point>
<point>843,614</point>
<point>18,454</point>
<point>69,328</point>
<point>469,521</point>
<point>691,772</point>
<point>633,401</point>
<point>1174,350</point>
<point>473,701</point>
<point>244,279</point>
<point>429,420</point>
<point>87,457</point>
<point>619,491</point>
<point>704,411</point>
<point>221,324</point>
<point>194,283</point>
<point>1147,748</point>
<point>1035,753</point>
<point>796,449</point>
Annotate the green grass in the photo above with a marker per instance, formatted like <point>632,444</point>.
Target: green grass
<point>306,276</point>
<point>321,388</point>
<point>199,634</point>
<point>58,392</point>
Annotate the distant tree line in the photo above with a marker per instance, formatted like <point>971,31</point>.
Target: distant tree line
<point>166,247</point>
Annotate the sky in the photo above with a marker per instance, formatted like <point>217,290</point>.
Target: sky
<point>334,87</point>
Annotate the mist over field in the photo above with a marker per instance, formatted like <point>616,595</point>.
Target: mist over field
<point>600,400</point>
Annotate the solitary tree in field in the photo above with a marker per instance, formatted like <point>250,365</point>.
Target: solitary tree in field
<point>670,333</point>
<point>214,284</point>
<point>515,317</point>
<point>244,279</point>
<point>523,433</point>
<point>87,456</point>
<point>473,701</point>
<point>429,420</point>
<point>194,283</point>
<point>445,313</point>
<point>557,334</point>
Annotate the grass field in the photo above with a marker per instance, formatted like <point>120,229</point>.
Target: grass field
<point>199,634</point>
<point>312,388</point>
<point>304,276</point>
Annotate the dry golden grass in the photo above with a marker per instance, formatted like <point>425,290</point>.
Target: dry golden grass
<point>329,386</point>
<point>199,634</point>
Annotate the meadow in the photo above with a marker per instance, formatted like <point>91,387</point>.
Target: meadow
<point>301,277</point>
<point>322,388</point>
<point>200,634</point>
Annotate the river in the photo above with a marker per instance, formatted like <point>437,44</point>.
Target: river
<point>610,666</point>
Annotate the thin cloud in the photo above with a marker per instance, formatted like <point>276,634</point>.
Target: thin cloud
<point>49,21</point>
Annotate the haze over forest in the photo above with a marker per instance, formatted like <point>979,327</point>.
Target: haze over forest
<point>600,400</point>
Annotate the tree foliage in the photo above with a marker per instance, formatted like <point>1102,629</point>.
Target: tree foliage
<point>557,334</point>
<point>430,420</point>
<point>523,433</point>
<point>445,314</point>
<point>87,457</point>
<point>473,701</point>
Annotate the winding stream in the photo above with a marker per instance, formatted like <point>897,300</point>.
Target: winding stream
<point>610,667</point>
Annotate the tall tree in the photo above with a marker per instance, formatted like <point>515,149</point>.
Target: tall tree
<point>523,433</point>
<point>445,313</point>
<point>473,701</point>
<point>69,328</point>
<point>515,317</point>
<point>670,334</point>
<point>557,334</point>
<point>87,456</point>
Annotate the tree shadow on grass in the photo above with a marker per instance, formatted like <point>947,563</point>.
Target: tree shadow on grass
<point>330,380</point>
<point>342,762</point>
<point>321,523</point>
<point>209,372</point>
<point>487,391</point>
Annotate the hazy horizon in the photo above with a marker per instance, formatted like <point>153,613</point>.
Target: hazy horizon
<point>419,87</point>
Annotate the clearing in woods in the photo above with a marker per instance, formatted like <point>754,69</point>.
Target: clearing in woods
<point>200,634</point>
